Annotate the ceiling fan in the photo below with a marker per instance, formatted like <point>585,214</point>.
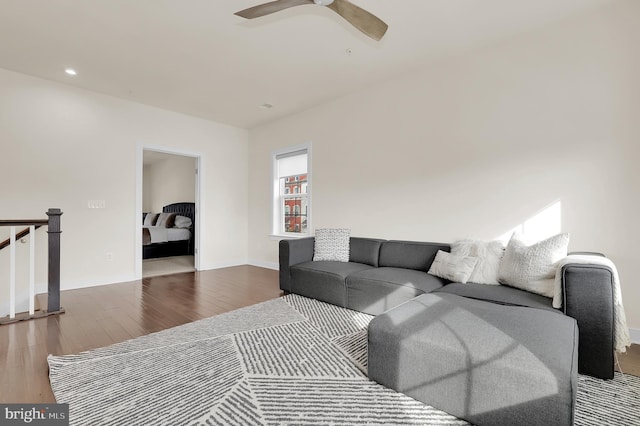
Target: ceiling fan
<point>364,21</point>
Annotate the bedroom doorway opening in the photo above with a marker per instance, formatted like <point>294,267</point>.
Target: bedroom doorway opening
<point>168,210</point>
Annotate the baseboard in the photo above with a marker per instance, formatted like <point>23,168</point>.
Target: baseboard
<point>635,335</point>
<point>268,265</point>
<point>212,266</point>
<point>96,282</point>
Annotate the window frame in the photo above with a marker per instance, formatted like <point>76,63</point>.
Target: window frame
<point>277,211</point>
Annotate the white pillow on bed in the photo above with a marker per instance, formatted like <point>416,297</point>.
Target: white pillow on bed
<point>166,220</point>
<point>182,222</point>
<point>150,219</point>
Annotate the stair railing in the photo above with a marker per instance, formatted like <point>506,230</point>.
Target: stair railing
<point>53,286</point>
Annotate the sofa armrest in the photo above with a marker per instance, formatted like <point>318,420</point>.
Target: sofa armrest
<point>292,252</point>
<point>586,253</point>
<point>588,297</point>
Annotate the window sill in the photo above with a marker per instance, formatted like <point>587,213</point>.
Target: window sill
<point>278,237</point>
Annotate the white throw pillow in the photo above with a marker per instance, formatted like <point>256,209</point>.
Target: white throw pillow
<point>489,255</point>
<point>532,268</point>
<point>332,244</point>
<point>453,268</point>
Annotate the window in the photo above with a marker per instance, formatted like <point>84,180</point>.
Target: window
<point>291,191</point>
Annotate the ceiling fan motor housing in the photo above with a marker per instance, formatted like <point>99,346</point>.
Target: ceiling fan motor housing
<point>323,2</point>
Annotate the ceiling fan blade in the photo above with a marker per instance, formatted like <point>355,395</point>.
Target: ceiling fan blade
<point>366,22</point>
<point>271,7</point>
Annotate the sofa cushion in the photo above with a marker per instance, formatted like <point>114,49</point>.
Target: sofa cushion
<point>486,363</point>
<point>324,280</point>
<point>374,291</point>
<point>499,294</point>
<point>409,254</point>
<point>365,250</point>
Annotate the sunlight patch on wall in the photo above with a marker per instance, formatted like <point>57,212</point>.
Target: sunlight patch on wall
<point>546,223</point>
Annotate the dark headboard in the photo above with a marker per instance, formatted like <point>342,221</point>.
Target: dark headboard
<point>183,209</point>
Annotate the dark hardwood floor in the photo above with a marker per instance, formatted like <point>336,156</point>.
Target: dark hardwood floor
<point>100,316</point>
<point>630,361</point>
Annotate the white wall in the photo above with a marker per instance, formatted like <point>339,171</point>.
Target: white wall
<point>167,181</point>
<point>61,146</point>
<point>475,145</point>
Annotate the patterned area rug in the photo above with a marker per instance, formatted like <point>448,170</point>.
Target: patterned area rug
<point>287,361</point>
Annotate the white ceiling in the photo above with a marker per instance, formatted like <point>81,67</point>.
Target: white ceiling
<point>196,57</point>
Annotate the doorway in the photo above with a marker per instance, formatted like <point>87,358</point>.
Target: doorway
<point>167,211</point>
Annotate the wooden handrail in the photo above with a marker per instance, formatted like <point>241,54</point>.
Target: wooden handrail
<point>24,222</point>
<point>19,235</point>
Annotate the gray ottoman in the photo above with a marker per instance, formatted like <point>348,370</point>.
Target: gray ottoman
<point>487,363</point>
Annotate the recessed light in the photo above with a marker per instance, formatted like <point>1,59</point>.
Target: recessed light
<point>266,106</point>
<point>70,71</point>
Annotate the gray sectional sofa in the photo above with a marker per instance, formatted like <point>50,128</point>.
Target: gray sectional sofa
<point>445,343</point>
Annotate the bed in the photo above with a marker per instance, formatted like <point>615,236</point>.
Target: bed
<point>170,233</point>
